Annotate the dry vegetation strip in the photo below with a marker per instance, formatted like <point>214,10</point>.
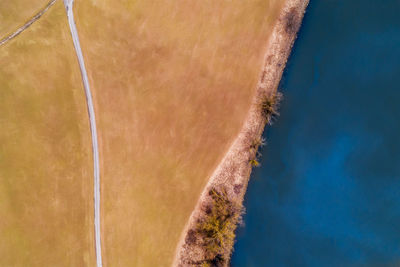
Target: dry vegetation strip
<point>215,230</point>
<point>213,246</point>
<point>172,82</point>
<point>46,178</point>
<point>211,235</point>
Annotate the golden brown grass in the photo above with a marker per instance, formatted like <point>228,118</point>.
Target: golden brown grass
<point>14,13</point>
<point>46,211</point>
<point>172,83</point>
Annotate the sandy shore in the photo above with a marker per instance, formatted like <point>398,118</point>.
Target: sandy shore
<point>233,172</point>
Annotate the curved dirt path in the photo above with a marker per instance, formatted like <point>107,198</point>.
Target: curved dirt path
<point>69,6</point>
<point>26,25</point>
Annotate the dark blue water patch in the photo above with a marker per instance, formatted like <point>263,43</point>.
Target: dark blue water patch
<point>328,190</point>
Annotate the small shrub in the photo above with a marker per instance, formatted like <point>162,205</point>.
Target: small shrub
<point>254,163</point>
<point>269,107</point>
<point>258,142</point>
<point>292,21</point>
<point>254,151</point>
<point>191,237</point>
<point>237,188</point>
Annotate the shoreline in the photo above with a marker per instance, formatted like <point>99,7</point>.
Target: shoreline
<point>233,172</point>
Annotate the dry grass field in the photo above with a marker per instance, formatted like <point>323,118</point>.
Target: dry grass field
<point>172,83</point>
<point>46,173</point>
<point>15,13</point>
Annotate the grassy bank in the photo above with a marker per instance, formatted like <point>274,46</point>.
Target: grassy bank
<point>209,236</point>
<point>213,233</point>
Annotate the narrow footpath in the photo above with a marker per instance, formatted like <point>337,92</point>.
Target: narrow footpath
<point>69,8</point>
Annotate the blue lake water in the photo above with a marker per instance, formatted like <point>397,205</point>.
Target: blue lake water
<point>328,190</point>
